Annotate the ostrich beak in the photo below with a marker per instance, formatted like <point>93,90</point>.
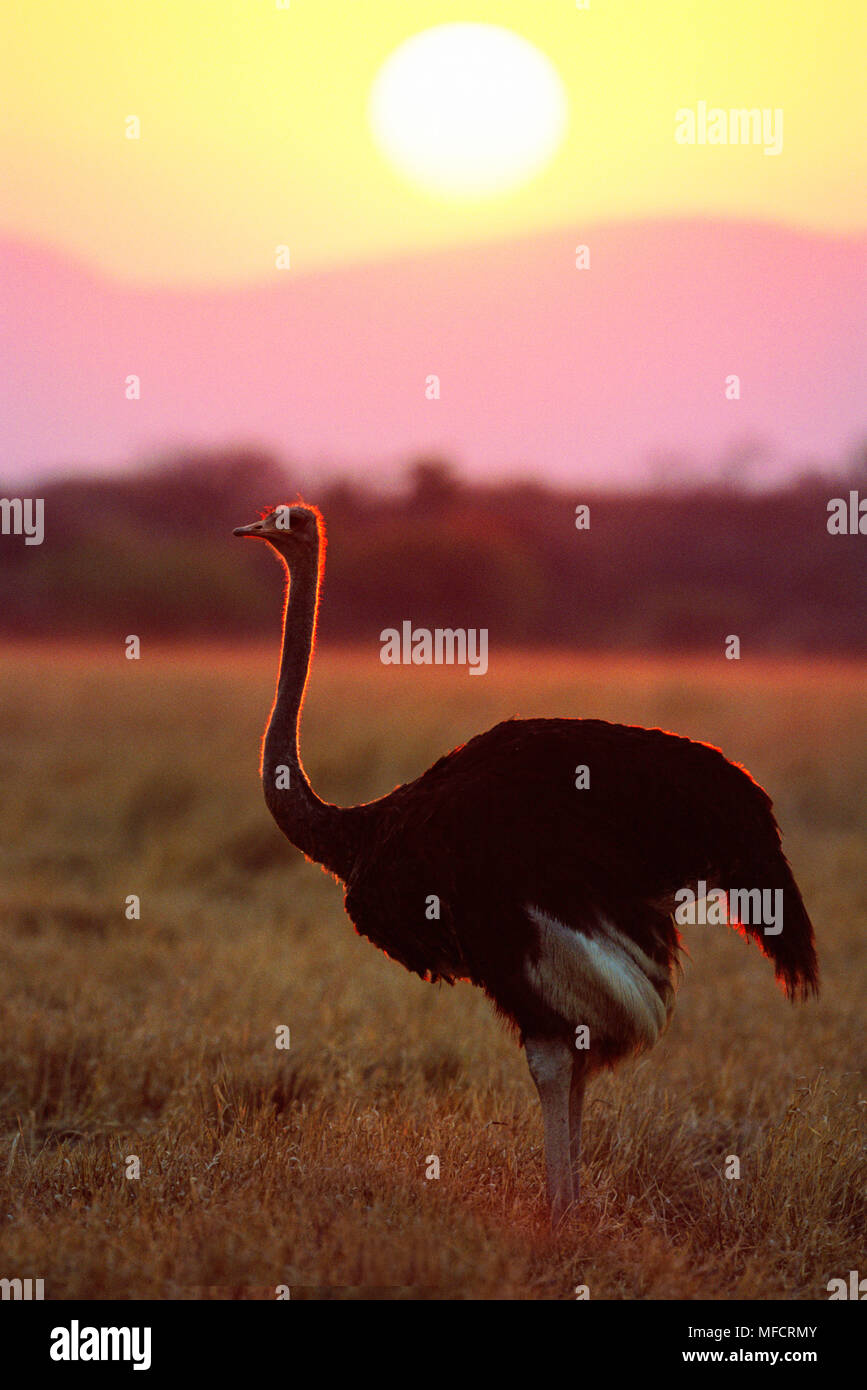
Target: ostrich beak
<point>254,530</point>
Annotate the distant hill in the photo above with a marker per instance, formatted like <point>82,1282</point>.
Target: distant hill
<point>544,369</point>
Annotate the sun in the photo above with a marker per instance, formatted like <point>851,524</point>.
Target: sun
<point>468,110</point>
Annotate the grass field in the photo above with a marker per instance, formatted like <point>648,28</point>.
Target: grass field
<point>263,1167</point>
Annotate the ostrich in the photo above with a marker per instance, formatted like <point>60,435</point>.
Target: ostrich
<point>557,901</point>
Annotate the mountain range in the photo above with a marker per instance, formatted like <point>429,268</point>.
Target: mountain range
<point>543,369</point>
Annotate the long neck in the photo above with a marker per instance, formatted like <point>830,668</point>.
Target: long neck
<point>318,829</point>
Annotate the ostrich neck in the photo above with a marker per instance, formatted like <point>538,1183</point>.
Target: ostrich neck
<point>317,828</point>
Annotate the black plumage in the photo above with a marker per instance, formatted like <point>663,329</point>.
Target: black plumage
<point>499,823</point>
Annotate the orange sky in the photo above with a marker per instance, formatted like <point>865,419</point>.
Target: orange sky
<point>254,127</point>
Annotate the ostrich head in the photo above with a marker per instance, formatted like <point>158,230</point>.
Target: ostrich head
<point>293,531</point>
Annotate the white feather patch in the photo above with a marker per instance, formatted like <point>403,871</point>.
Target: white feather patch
<point>606,982</point>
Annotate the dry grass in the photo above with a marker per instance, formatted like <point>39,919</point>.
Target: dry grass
<point>262,1167</point>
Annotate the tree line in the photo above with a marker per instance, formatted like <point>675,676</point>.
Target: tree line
<point>536,565</point>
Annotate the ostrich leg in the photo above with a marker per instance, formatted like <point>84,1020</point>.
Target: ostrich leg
<point>576,1107</point>
<point>550,1063</point>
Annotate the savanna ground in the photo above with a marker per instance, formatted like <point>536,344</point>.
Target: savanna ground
<point>306,1167</point>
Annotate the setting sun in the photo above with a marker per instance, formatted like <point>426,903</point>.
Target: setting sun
<point>468,109</point>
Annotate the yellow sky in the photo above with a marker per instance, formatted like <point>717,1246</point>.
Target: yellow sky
<point>255,131</point>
